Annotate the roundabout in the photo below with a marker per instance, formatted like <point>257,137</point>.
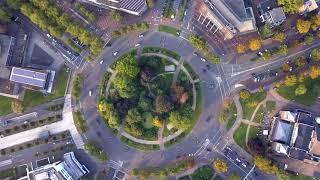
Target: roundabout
<point>163,151</point>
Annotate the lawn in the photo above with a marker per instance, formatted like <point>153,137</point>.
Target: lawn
<point>260,114</point>
<point>80,122</point>
<point>299,177</point>
<point>33,98</point>
<point>254,97</point>
<point>5,105</point>
<point>148,120</point>
<point>169,29</point>
<point>239,136</point>
<point>203,173</point>
<point>252,132</point>
<point>309,98</point>
<point>270,106</point>
<point>229,115</point>
<point>163,51</point>
<point>142,147</point>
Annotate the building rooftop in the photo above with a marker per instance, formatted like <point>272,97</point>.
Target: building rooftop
<point>6,44</point>
<point>297,154</point>
<point>304,137</point>
<point>288,116</point>
<point>267,5</point>
<point>305,118</point>
<point>28,77</point>
<point>282,131</point>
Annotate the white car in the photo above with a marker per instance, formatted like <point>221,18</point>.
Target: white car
<point>203,59</point>
<point>115,53</point>
<point>140,35</point>
<point>101,61</point>
<point>206,142</point>
<point>136,45</point>
<point>90,93</point>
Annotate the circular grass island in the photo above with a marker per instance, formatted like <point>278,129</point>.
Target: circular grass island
<point>149,101</point>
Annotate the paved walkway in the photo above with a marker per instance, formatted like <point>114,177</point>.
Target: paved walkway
<point>160,138</point>
<point>66,124</point>
<point>176,73</point>
<point>109,82</point>
<point>236,124</point>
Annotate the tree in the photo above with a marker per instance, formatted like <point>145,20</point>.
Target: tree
<point>309,39</point>
<point>95,150</point>
<point>215,59</point>
<point>134,116</point>
<point>14,4</point>
<point>315,54</point>
<point>303,26</point>
<point>290,80</point>
<point>254,44</point>
<point>220,165</point>
<point>265,165</point>
<point>256,146</point>
<point>157,122</point>
<point>109,113</point>
<point>235,176</point>
<point>181,119</point>
<point>162,104</point>
<point>146,75</point>
<point>128,65</point>
<point>283,50</point>
<point>300,61</point>
<point>279,36</point>
<point>290,6</point>
<point>286,67</point>
<point>17,106</point>
<point>301,89</point>
<point>252,104</point>
<point>150,3</point>
<point>4,15</point>
<point>265,31</point>
<point>116,16</point>
<point>314,72</point>
<point>315,20</point>
<point>144,102</point>
<point>241,48</point>
<point>126,86</point>
<point>301,77</point>
<point>244,94</point>
<point>179,94</point>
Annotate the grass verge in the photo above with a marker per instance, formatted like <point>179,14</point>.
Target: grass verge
<point>164,51</point>
<point>260,114</point>
<point>192,73</point>
<point>80,122</point>
<point>142,147</point>
<point>33,98</point>
<point>256,97</point>
<point>239,136</point>
<point>252,132</point>
<point>309,98</point>
<point>270,106</point>
<point>169,29</point>
<point>5,105</point>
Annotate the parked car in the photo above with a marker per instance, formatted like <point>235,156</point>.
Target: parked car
<point>141,35</point>
<point>115,53</point>
<point>203,59</point>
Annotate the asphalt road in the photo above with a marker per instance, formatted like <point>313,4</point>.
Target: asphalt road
<point>214,84</point>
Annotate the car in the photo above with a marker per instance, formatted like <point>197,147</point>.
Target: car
<point>141,35</point>
<point>206,142</point>
<point>244,165</point>
<point>195,53</point>
<point>101,62</point>
<point>49,36</point>
<point>203,59</point>
<point>136,45</point>
<point>115,53</point>
<point>90,93</point>
<point>259,54</point>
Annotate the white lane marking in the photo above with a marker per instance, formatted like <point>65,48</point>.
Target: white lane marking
<point>6,162</point>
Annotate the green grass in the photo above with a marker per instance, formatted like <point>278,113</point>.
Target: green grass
<point>270,106</point>
<point>149,120</point>
<point>239,136</point>
<point>312,85</point>
<point>299,177</point>
<point>74,46</point>
<point>183,9</point>
<point>169,30</point>
<point>163,51</point>
<point>252,132</point>
<point>5,105</point>
<point>229,115</point>
<point>33,98</point>
<point>260,114</point>
<point>192,73</point>
<point>142,147</point>
<point>80,122</point>
<point>203,173</point>
<point>257,97</point>
<point>8,173</point>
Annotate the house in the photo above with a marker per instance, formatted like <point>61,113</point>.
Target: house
<point>230,17</point>
<point>296,135</point>
<point>135,7</point>
<point>308,6</point>
<point>69,169</point>
<point>271,13</point>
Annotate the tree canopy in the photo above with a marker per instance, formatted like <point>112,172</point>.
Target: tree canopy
<point>315,54</point>
<point>290,6</point>
<point>303,26</point>
<point>4,15</point>
<point>128,65</point>
<point>301,90</point>
<point>181,118</point>
<point>255,44</point>
<point>220,165</point>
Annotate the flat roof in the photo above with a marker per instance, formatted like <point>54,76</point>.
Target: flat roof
<point>304,137</point>
<point>306,118</point>
<point>28,77</point>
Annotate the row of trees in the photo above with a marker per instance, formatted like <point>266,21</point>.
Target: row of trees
<point>202,45</point>
<point>96,151</point>
<point>291,6</point>
<point>253,45</point>
<point>5,15</point>
<point>304,26</point>
<point>85,12</point>
<point>49,18</point>
<point>142,26</point>
<point>77,86</point>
